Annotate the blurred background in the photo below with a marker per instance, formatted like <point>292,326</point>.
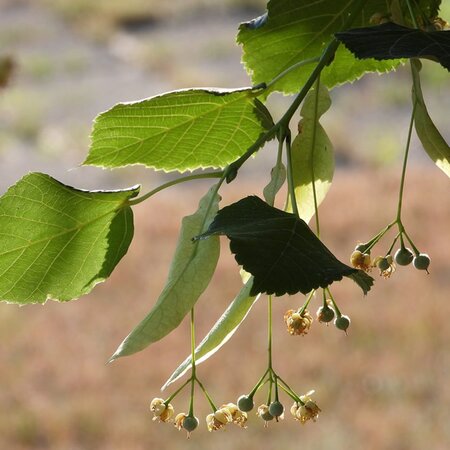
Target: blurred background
<point>384,386</point>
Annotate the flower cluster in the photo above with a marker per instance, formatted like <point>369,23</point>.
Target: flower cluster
<point>303,410</point>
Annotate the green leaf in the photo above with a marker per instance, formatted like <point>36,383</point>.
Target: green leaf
<point>180,130</point>
<point>298,30</point>
<point>192,268</point>
<point>277,248</point>
<point>220,333</point>
<point>58,242</point>
<point>312,153</point>
<point>391,41</point>
<point>277,179</point>
<point>433,142</point>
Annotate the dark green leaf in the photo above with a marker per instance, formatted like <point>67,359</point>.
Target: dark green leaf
<point>297,30</point>
<point>279,250</point>
<point>363,280</point>
<point>192,268</point>
<point>57,242</point>
<point>392,41</point>
<point>181,130</point>
<point>424,11</point>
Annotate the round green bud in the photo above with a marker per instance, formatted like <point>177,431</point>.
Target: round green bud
<point>383,264</point>
<point>403,256</point>
<point>342,322</point>
<point>276,409</point>
<point>266,416</point>
<point>422,261</point>
<point>190,423</point>
<point>325,314</point>
<point>245,403</point>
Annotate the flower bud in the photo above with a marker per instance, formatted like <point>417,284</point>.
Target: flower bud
<point>325,314</point>
<point>245,403</point>
<point>342,323</point>
<point>276,409</point>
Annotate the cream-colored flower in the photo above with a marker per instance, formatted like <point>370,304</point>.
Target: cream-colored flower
<point>161,411</point>
<point>306,411</point>
<point>179,419</point>
<point>361,261</point>
<point>298,324</point>
<point>385,264</point>
<point>217,420</point>
<point>238,417</point>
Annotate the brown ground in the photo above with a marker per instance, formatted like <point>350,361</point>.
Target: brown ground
<point>384,386</point>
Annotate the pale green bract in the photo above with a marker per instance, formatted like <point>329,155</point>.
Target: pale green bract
<point>312,154</point>
<point>181,130</point>
<point>221,332</point>
<point>298,30</point>
<point>433,143</point>
<point>58,242</point>
<point>277,179</point>
<point>192,268</point>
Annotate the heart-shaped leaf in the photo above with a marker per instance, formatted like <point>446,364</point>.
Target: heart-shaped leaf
<point>181,130</point>
<point>277,248</point>
<point>295,31</point>
<point>58,242</point>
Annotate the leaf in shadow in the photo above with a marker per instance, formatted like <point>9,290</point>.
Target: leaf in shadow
<point>393,41</point>
<point>277,248</point>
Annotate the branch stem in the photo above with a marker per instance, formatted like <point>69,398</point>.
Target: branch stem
<point>283,124</point>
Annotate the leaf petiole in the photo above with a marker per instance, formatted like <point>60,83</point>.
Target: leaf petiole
<point>199,176</point>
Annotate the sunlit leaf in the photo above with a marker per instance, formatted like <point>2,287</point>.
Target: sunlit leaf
<point>57,242</point>
<point>296,30</point>
<point>277,248</point>
<point>312,154</point>
<point>180,130</point>
<point>433,143</point>
<point>392,41</point>
<point>192,268</point>
<point>220,333</point>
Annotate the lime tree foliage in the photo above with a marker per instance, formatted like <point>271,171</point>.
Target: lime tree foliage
<point>57,242</point>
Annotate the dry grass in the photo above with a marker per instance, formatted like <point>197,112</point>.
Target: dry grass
<point>384,386</point>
